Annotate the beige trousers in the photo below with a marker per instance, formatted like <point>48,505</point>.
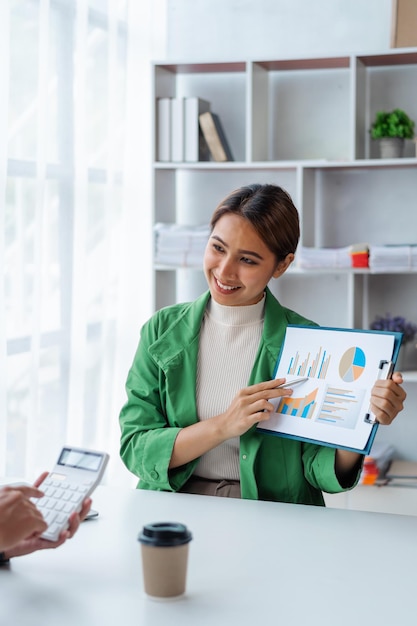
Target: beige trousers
<point>206,487</point>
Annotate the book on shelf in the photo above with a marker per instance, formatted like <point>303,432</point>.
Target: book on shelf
<point>215,137</point>
<point>163,129</point>
<point>338,367</point>
<point>177,129</point>
<point>195,148</point>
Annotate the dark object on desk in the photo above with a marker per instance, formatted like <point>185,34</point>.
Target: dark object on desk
<point>91,514</point>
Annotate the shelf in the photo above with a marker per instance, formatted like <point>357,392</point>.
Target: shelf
<point>300,270</point>
<point>410,162</point>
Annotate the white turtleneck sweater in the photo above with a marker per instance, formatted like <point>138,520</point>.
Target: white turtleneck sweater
<point>229,341</point>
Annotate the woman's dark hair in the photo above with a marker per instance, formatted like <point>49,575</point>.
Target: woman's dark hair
<point>271,212</point>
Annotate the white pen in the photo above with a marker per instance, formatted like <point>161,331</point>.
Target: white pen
<point>293,382</point>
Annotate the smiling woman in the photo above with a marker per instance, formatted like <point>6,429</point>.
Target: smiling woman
<point>202,377</point>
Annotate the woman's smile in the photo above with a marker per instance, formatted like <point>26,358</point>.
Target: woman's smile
<point>224,287</point>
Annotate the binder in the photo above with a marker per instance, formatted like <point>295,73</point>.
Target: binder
<point>331,407</point>
<point>195,147</point>
<point>163,109</point>
<point>177,130</point>
<point>215,137</point>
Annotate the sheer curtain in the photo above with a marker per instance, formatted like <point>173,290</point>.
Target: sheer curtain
<point>76,221</point>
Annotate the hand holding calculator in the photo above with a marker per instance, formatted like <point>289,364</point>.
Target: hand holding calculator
<point>74,477</point>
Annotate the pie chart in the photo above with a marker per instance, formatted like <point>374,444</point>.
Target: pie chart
<point>352,364</point>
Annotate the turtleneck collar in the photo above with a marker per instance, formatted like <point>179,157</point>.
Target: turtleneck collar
<point>236,315</point>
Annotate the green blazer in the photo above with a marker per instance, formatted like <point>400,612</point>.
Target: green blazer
<point>161,399</point>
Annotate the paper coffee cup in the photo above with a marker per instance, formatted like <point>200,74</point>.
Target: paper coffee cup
<point>164,547</point>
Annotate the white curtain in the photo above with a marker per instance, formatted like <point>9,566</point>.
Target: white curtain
<point>75,219</point>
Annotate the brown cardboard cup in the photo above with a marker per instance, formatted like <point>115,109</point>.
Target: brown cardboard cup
<point>164,547</point>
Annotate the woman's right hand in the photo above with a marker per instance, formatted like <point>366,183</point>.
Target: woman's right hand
<point>250,406</point>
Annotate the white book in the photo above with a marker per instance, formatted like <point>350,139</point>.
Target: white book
<point>196,148</point>
<point>177,129</point>
<point>163,129</point>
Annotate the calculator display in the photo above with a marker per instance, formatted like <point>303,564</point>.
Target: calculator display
<point>80,459</point>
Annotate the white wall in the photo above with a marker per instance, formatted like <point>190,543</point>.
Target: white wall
<point>270,29</point>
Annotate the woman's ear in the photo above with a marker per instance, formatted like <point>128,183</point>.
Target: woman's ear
<point>283,265</point>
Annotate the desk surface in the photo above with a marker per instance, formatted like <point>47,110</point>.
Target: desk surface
<point>250,563</point>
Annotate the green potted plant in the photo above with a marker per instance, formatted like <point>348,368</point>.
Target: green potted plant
<point>400,324</point>
<point>391,129</point>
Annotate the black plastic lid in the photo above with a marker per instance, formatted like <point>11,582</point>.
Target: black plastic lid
<point>165,534</point>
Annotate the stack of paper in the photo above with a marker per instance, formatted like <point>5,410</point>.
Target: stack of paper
<point>324,257</point>
<point>385,259</point>
<point>180,246</point>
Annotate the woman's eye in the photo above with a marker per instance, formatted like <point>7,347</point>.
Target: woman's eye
<point>248,261</point>
<point>217,247</point>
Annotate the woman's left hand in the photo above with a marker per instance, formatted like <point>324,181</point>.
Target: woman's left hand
<point>387,398</point>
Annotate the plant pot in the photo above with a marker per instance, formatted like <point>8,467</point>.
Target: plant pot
<point>391,147</point>
<point>407,357</point>
<point>400,365</point>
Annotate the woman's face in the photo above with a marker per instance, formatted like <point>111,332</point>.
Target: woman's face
<point>237,263</point>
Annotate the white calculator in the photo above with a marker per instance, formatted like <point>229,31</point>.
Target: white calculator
<point>74,477</point>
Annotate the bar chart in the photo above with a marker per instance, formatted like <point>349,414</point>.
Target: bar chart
<point>313,368</point>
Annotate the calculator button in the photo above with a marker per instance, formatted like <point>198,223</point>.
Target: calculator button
<point>49,517</point>
<point>53,528</point>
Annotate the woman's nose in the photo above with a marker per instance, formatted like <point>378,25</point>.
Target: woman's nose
<point>227,268</point>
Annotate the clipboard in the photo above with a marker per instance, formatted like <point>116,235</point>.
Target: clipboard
<point>332,406</point>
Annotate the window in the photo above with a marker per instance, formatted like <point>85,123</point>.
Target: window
<point>66,195</point>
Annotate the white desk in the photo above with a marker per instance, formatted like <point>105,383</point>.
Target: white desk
<point>384,499</point>
<point>250,563</point>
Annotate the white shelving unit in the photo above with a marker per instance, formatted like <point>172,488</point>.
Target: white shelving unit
<point>303,124</point>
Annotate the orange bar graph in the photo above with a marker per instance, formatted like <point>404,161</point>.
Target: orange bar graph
<point>299,407</point>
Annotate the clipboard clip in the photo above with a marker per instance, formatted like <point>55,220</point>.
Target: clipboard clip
<point>385,370</point>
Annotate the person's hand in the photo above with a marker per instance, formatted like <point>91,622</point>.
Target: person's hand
<point>387,398</point>
<point>32,541</point>
<point>19,517</point>
<point>250,406</point>
<point>35,542</point>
